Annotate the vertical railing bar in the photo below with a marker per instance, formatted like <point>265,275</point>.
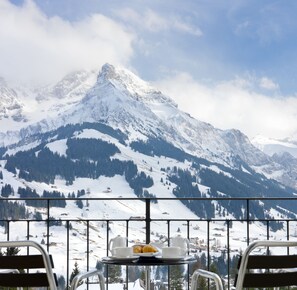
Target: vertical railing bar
<point>208,250</point>
<point>248,221</point>
<point>208,244</point>
<point>88,243</point>
<point>88,250</point>
<point>168,232</point>
<point>8,234</point>
<point>28,229</point>
<point>148,220</point>
<point>127,268</point>
<point>267,235</point>
<point>67,251</point>
<point>288,236</point>
<point>127,232</point>
<point>188,266</point>
<point>28,235</point>
<point>48,223</point>
<point>228,251</point>
<point>107,243</point>
<point>168,244</point>
<point>107,237</point>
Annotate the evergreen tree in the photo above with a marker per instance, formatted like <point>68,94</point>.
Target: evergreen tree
<point>75,272</point>
<point>61,283</point>
<point>176,277</point>
<point>115,274</point>
<point>12,251</point>
<point>7,190</point>
<point>133,273</point>
<point>79,203</point>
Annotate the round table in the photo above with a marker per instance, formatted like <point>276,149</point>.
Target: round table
<point>147,261</point>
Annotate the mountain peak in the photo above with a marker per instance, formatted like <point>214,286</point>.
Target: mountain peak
<point>126,81</point>
<point>107,72</point>
<point>122,78</point>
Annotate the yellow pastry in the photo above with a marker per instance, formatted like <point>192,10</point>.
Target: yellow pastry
<point>149,249</point>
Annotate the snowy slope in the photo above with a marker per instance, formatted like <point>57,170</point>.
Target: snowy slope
<point>118,98</point>
<point>122,100</point>
<point>119,209</point>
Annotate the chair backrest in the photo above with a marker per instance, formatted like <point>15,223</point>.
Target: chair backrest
<point>268,270</point>
<point>15,270</point>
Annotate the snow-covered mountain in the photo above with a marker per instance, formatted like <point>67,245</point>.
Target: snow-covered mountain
<point>272,146</point>
<point>112,134</point>
<point>120,99</point>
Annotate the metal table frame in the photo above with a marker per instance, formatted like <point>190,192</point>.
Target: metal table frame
<point>148,262</point>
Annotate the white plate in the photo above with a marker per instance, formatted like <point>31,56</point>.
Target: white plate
<point>123,258</point>
<point>174,258</point>
<point>150,254</point>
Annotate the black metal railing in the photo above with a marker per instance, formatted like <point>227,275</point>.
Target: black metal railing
<point>84,239</point>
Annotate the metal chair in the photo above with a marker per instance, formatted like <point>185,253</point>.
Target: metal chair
<point>79,277</point>
<point>11,274</point>
<point>259,271</point>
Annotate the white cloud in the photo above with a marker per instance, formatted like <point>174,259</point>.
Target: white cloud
<point>154,22</point>
<point>35,48</point>
<point>233,104</point>
<point>268,84</point>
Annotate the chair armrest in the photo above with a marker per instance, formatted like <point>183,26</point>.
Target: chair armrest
<point>80,277</point>
<point>206,274</point>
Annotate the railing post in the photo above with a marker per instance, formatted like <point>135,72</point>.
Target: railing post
<point>67,252</point>
<point>168,233</point>
<point>28,229</point>
<point>228,251</point>
<point>48,223</point>
<point>7,230</point>
<point>88,245</point>
<point>288,236</point>
<point>148,220</point>
<point>208,244</point>
<point>107,251</point>
<point>248,221</point>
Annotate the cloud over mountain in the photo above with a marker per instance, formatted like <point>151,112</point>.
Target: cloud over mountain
<point>39,49</point>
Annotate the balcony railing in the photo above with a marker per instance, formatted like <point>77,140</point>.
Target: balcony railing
<point>84,238</point>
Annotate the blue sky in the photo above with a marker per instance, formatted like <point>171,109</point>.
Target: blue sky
<point>231,63</point>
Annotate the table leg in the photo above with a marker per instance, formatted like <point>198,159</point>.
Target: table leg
<point>147,277</point>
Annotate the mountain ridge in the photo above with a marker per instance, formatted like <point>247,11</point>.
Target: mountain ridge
<point>120,99</point>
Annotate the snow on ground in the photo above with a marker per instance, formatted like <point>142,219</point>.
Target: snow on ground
<point>89,226</point>
<point>58,147</point>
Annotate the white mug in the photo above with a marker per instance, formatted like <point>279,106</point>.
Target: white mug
<point>123,252</point>
<point>171,252</point>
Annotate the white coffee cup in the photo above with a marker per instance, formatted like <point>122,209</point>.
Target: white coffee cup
<point>171,252</point>
<point>123,252</point>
